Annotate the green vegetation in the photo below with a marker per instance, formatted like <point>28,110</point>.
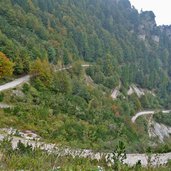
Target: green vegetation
<point>163,118</point>
<point>94,31</point>
<point>26,158</point>
<point>6,67</point>
<point>69,112</point>
<point>39,37</point>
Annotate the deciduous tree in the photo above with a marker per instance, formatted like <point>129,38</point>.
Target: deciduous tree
<point>6,66</point>
<point>41,69</point>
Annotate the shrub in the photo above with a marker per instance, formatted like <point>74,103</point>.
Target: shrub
<point>1,97</point>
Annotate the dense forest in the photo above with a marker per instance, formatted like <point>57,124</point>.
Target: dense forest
<point>104,32</point>
<point>122,47</point>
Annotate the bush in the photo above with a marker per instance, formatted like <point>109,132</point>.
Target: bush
<point>26,88</point>
<point>163,118</point>
<point>1,97</point>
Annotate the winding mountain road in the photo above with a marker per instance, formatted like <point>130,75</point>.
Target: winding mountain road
<point>152,112</point>
<point>15,83</point>
<point>26,78</point>
<point>70,66</point>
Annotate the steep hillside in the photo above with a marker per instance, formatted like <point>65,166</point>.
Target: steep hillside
<point>121,46</point>
<point>111,33</point>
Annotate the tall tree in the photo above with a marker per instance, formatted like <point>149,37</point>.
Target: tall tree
<point>6,66</point>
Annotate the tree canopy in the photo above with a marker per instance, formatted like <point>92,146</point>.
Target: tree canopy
<point>6,66</point>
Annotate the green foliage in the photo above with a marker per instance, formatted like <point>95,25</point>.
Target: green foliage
<point>59,105</point>
<point>163,118</point>
<point>26,158</point>
<point>69,112</point>
<point>26,88</point>
<point>42,71</point>
<point>6,66</point>
<point>77,69</point>
<point>105,33</point>
<point>61,83</point>
<point>1,97</point>
<point>119,155</point>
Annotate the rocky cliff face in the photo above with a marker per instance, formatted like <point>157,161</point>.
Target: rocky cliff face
<point>147,27</point>
<point>166,30</point>
<point>147,22</point>
<point>158,130</point>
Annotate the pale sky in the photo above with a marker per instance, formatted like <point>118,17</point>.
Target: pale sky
<point>161,9</point>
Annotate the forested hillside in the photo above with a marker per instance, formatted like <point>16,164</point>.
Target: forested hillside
<point>105,32</point>
<point>122,47</point>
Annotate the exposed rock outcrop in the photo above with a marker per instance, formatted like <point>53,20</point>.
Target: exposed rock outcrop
<point>115,93</point>
<point>138,91</point>
<point>159,130</point>
<point>131,159</point>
